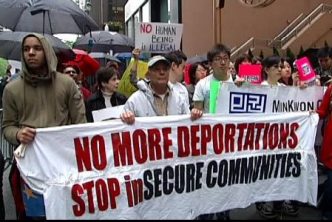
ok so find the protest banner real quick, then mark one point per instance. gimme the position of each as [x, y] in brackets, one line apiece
[267, 99]
[158, 37]
[171, 167]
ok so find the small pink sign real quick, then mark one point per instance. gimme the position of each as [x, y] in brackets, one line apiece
[306, 72]
[251, 73]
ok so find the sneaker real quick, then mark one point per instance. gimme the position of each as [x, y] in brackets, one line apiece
[266, 210]
[288, 209]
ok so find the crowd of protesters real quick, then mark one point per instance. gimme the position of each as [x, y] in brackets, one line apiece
[44, 97]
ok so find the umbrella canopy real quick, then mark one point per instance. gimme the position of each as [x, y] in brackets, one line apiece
[45, 16]
[197, 58]
[85, 62]
[11, 46]
[104, 41]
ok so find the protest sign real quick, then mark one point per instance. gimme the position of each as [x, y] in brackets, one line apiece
[306, 72]
[107, 113]
[158, 37]
[251, 73]
[171, 167]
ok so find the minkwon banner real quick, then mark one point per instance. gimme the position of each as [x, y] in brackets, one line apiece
[266, 99]
[158, 37]
[172, 167]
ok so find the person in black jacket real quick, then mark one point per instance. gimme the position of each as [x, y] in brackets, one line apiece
[106, 95]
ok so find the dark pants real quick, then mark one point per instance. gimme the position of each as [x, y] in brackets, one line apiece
[2, 205]
[327, 211]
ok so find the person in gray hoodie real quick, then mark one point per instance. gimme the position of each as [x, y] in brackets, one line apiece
[155, 97]
[40, 97]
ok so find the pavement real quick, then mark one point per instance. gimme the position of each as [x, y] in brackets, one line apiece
[306, 212]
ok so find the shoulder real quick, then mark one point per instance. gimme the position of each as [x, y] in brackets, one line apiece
[15, 84]
[121, 96]
[93, 97]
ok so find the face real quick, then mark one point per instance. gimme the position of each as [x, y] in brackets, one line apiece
[178, 70]
[231, 69]
[286, 71]
[200, 73]
[325, 63]
[220, 64]
[70, 71]
[159, 74]
[274, 72]
[33, 53]
[112, 85]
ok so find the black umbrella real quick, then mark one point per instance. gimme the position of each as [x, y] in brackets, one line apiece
[45, 16]
[11, 46]
[104, 41]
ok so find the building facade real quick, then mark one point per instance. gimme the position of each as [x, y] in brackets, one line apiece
[110, 12]
[241, 24]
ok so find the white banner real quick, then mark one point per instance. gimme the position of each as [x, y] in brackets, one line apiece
[158, 37]
[267, 99]
[171, 167]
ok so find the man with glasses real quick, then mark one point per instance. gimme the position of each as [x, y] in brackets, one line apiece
[74, 72]
[219, 59]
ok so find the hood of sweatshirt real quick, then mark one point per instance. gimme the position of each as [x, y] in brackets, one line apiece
[50, 58]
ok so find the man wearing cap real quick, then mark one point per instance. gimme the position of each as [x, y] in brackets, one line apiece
[155, 97]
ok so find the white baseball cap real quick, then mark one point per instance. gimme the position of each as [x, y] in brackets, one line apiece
[156, 59]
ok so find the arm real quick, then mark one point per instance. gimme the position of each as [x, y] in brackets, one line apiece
[198, 97]
[133, 71]
[10, 123]
[76, 105]
[324, 108]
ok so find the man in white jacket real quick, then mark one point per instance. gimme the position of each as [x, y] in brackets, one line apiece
[155, 97]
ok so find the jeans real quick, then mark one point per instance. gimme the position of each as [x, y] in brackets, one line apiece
[327, 212]
[2, 205]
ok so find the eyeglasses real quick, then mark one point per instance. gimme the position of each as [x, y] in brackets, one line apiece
[70, 71]
[219, 59]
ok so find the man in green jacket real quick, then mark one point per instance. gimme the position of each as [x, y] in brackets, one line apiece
[40, 98]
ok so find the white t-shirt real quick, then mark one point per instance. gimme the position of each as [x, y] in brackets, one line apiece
[202, 91]
[180, 89]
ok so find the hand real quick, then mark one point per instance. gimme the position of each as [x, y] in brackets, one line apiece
[196, 114]
[128, 117]
[26, 135]
[296, 80]
[303, 85]
[239, 81]
[136, 52]
[312, 112]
